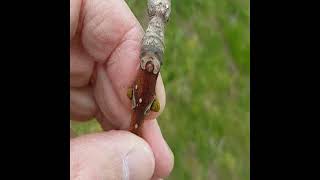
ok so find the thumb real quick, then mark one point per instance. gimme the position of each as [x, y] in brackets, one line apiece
[110, 155]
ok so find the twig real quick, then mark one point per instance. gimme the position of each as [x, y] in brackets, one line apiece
[142, 93]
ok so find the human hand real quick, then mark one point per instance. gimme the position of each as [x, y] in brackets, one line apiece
[104, 57]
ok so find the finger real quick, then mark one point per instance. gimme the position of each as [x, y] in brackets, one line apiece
[82, 104]
[81, 64]
[105, 23]
[110, 155]
[109, 102]
[75, 6]
[163, 155]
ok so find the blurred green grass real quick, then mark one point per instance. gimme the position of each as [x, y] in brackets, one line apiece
[206, 73]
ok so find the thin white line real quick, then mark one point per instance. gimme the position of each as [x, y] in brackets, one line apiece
[125, 169]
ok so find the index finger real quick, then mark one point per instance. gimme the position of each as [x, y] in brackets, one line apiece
[112, 36]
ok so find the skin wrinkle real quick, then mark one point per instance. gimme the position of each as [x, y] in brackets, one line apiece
[105, 123]
[81, 18]
[125, 39]
[121, 122]
[94, 10]
[114, 52]
[96, 25]
[75, 11]
[82, 103]
[104, 44]
[91, 21]
[81, 64]
[105, 112]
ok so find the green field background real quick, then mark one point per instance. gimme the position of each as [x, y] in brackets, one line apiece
[206, 73]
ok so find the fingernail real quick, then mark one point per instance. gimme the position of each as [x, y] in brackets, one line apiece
[139, 163]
